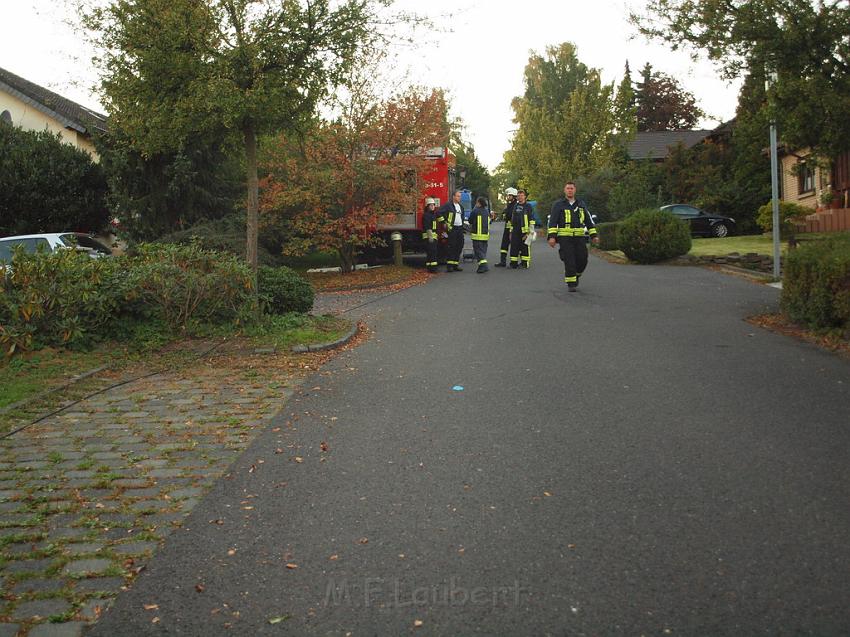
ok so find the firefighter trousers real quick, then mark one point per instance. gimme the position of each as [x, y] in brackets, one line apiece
[479, 248]
[573, 251]
[455, 247]
[506, 244]
[520, 250]
[431, 255]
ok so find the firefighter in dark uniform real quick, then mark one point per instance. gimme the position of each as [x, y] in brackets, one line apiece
[453, 214]
[567, 223]
[430, 233]
[522, 224]
[479, 230]
[507, 213]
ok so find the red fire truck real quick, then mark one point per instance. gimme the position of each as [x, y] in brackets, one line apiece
[439, 183]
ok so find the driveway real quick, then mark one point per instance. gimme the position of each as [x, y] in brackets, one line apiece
[502, 457]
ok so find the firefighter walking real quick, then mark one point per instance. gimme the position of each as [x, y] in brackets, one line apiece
[479, 229]
[507, 215]
[567, 224]
[522, 225]
[453, 214]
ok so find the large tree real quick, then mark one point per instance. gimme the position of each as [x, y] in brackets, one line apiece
[172, 70]
[805, 42]
[330, 189]
[566, 123]
[662, 104]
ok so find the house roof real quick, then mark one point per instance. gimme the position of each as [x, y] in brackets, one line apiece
[656, 144]
[68, 113]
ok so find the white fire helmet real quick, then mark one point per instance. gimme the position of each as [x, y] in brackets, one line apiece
[511, 192]
[430, 200]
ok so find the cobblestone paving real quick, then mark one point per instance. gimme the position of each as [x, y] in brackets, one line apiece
[88, 495]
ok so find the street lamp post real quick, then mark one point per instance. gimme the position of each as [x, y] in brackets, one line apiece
[774, 182]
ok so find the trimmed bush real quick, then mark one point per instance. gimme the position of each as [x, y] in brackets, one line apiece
[816, 284]
[61, 298]
[283, 290]
[788, 213]
[186, 285]
[651, 235]
[607, 233]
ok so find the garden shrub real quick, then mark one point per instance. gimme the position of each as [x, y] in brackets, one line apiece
[186, 285]
[283, 290]
[788, 213]
[227, 235]
[607, 233]
[651, 235]
[62, 298]
[816, 284]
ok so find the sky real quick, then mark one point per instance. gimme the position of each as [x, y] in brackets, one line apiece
[477, 53]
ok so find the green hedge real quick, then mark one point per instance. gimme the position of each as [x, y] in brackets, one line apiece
[788, 212]
[651, 235]
[283, 290]
[68, 299]
[816, 284]
[608, 235]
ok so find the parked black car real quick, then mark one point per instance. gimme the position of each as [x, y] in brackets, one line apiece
[703, 224]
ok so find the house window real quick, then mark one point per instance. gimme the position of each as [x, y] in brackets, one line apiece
[805, 178]
[6, 117]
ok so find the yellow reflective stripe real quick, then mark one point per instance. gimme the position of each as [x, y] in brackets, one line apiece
[570, 279]
[480, 237]
[570, 232]
[592, 231]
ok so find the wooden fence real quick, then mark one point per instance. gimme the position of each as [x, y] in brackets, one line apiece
[833, 220]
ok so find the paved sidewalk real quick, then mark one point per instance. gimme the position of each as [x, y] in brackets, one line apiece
[87, 496]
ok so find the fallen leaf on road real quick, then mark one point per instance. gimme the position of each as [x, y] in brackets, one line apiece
[417, 623]
[218, 521]
[299, 459]
[571, 546]
[231, 552]
[547, 494]
[323, 446]
[276, 429]
[151, 606]
[200, 588]
[363, 540]
[277, 620]
[333, 558]
[278, 450]
[291, 566]
[252, 469]
[155, 620]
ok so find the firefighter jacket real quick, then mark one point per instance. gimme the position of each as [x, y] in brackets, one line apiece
[479, 223]
[430, 221]
[448, 212]
[522, 217]
[570, 219]
[508, 213]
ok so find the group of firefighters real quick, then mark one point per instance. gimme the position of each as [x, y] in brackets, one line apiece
[569, 222]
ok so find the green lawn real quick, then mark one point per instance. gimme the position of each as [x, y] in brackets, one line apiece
[760, 244]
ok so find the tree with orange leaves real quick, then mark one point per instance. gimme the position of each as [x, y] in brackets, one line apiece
[329, 189]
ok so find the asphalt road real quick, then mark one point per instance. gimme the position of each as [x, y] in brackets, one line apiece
[631, 459]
